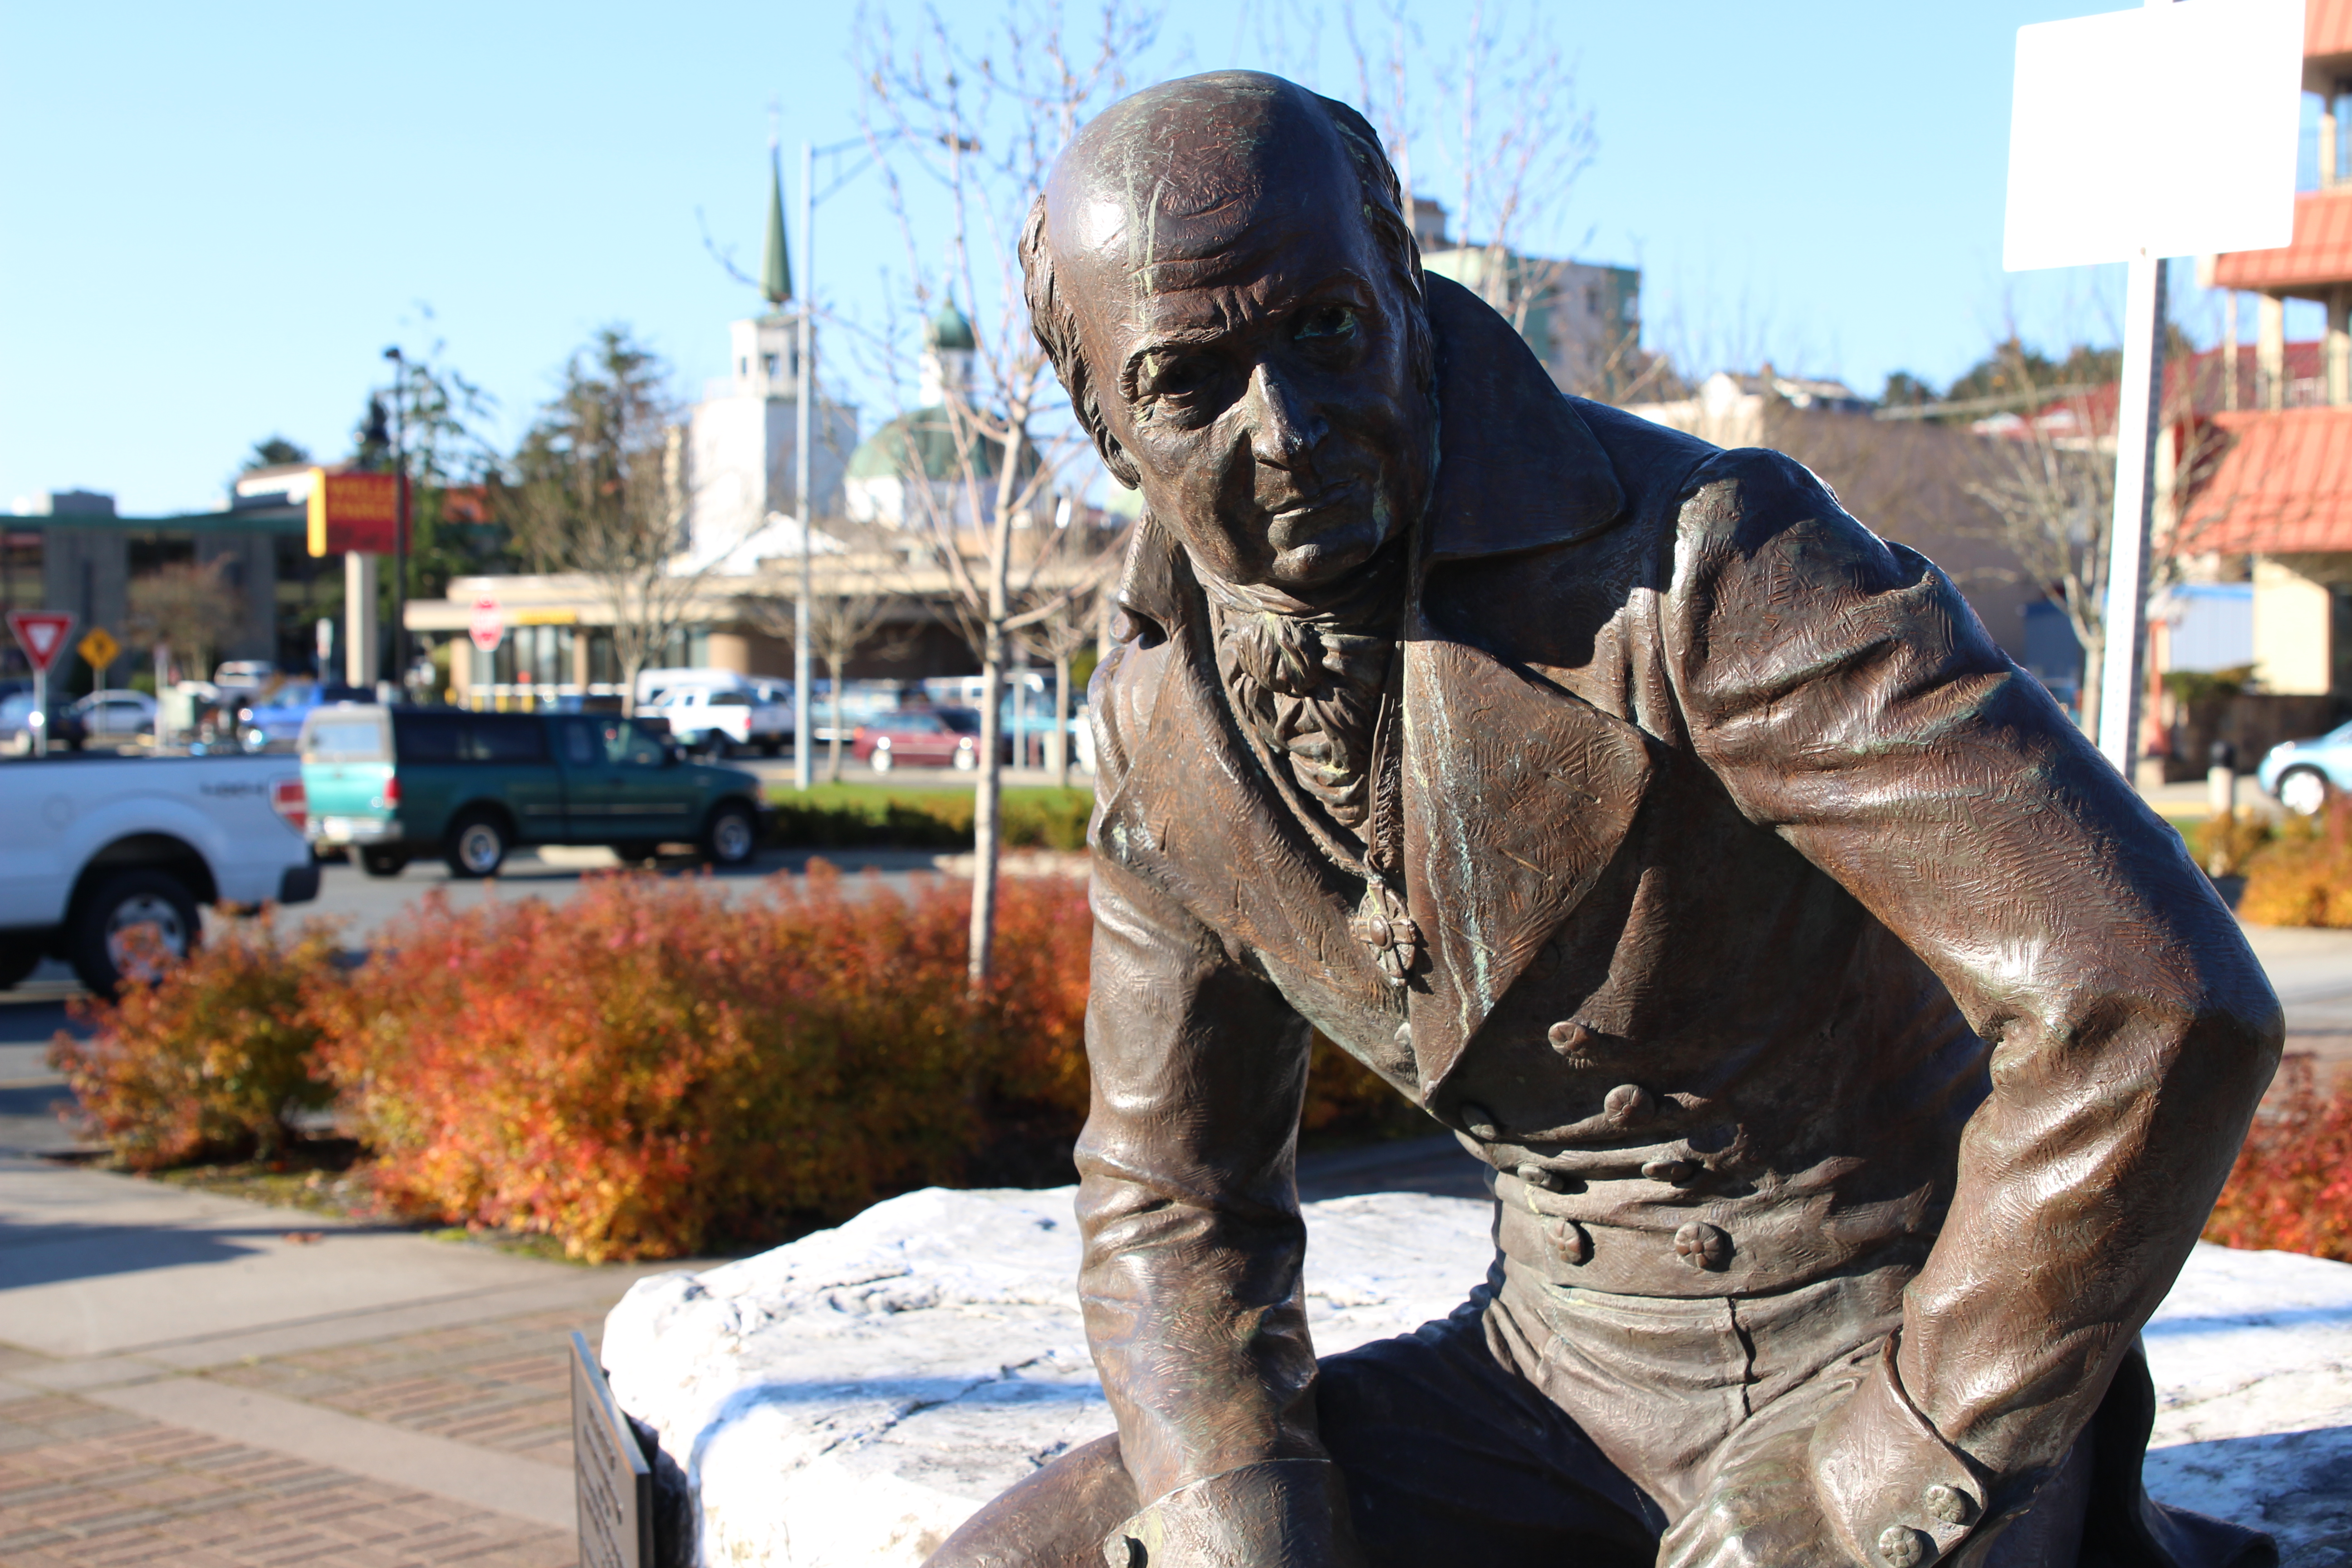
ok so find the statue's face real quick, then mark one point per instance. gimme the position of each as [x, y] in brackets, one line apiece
[1255, 369]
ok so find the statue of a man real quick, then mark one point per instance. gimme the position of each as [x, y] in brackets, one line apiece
[1857, 1056]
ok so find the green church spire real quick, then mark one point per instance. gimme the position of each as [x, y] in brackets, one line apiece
[776, 268]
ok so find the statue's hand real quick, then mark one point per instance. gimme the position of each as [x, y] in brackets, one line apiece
[1285, 1514]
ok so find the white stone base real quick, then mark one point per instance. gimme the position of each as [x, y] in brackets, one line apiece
[850, 1399]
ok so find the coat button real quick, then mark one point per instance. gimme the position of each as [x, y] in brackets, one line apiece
[1568, 1238]
[1900, 1546]
[1702, 1245]
[1949, 1504]
[1674, 1172]
[1569, 1035]
[1479, 1123]
[1627, 1102]
[1542, 1176]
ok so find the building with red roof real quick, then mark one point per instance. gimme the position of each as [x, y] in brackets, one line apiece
[2275, 498]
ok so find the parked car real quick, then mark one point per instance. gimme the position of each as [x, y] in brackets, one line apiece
[919, 737]
[392, 784]
[94, 848]
[105, 718]
[244, 675]
[2304, 774]
[16, 736]
[275, 718]
[717, 720]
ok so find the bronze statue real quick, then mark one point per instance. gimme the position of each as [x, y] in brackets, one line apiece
[1857, 1055]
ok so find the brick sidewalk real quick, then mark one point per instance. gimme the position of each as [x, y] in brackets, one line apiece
[503, 1385]
[85, 1486]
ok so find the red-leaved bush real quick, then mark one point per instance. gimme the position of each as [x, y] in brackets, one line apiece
[651, 1069]
[2291, 1189]
[210, 1058]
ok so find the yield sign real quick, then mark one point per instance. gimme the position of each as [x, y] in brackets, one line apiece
[41, 634]
[489, 627]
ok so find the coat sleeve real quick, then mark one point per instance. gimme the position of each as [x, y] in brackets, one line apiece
[1847, 698]
[1193, 1239]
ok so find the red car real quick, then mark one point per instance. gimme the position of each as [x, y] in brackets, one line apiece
[919, 738]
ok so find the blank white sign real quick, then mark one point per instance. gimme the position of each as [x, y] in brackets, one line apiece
[2167, 131]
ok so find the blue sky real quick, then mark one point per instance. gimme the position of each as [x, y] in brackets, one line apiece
[218, 216]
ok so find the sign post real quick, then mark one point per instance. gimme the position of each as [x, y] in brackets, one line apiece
[488, 628]
[42, 635]
[2134, 136]
[97, 649]
[614, 1485]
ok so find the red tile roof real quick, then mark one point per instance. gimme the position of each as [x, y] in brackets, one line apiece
[2192, 389]
[2284, 486]
[2321, 253]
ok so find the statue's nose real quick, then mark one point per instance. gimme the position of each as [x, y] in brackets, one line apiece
[1285, 427]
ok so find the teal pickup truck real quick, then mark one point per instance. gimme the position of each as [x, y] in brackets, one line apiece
[391, 783]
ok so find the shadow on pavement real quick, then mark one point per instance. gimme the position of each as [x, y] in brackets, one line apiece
[1438, 1165]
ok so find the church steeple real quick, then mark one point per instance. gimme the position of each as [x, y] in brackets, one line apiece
[776, 265]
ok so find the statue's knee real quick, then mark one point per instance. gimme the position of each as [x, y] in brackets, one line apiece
[1057, 1518]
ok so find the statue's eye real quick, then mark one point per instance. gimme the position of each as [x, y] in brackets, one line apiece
[1326, 322]
[1167, 375]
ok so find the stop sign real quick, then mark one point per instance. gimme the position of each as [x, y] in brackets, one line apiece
[490, 626]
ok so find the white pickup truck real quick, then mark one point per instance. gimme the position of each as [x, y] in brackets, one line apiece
[722, 719]
[92, 847]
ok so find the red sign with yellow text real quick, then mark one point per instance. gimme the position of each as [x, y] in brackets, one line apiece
[353, 512]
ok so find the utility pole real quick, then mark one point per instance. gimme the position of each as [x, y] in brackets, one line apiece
[400, 515]
[803, 746]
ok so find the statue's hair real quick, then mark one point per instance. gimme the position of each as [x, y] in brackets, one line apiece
[1057, 325]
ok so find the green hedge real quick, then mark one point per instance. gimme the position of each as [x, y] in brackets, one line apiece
[844, 816]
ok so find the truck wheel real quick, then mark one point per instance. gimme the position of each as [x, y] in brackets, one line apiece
[718, 746]
[772, 747]
[383, 862]
[732, 836]
[106, 950]
[2304, 791]
[17, 959]
[477, 845]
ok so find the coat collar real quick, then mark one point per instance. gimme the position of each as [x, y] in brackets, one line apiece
[1517, 467]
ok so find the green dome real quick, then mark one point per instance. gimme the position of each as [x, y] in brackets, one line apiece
[948, 329]
[925, 438]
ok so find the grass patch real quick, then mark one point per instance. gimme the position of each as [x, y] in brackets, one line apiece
[870, 815]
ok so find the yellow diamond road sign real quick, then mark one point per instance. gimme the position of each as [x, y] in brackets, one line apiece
[97, 648]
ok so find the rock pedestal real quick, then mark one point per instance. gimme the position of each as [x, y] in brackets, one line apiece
[847, 1401]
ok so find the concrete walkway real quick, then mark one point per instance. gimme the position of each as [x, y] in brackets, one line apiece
[191, 1379]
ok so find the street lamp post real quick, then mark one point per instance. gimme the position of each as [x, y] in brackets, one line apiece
[803, 665]
[400, 515]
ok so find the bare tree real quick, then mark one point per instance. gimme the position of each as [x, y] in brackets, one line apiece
[189, 607]
[843, 617]
[1077, 615]
[597, 492]
[979, 121]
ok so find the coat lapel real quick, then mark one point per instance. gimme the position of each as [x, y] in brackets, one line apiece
[1517, 798]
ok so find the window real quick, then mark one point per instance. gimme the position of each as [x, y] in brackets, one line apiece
[731, 700]
[630, 746]
[580, 742]
[505, 737]
[426, 737]
[344, 740]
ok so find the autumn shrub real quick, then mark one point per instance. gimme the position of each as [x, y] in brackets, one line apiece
[2291, 1189]
[2303, 876]
[2226, 844]
[210, 1058]
[651, 1069]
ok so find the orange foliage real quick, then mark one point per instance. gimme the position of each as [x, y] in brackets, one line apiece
[211, 1059]
[2303, 877]
[2292, 1187]
[652, 1069]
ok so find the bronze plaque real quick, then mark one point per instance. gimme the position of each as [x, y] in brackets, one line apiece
[615, 1483]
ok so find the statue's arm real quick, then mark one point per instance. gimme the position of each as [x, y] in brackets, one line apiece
[1190, 1282]
[1849, 699]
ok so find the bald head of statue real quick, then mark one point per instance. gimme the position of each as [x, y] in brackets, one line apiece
[1224, 273]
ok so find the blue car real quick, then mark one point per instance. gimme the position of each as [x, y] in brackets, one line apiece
[2304, 774]
[276, 720]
